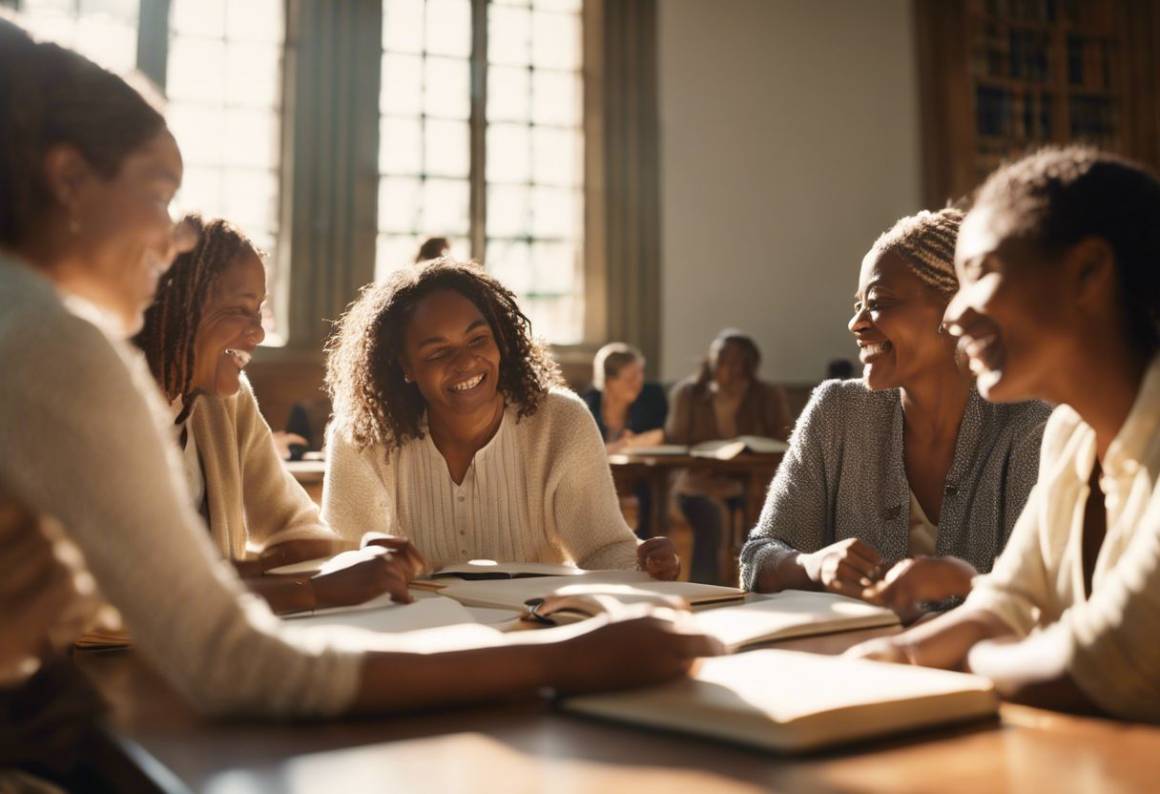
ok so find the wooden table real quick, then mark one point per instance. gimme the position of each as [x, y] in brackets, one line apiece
[309, 474]
[529, 747]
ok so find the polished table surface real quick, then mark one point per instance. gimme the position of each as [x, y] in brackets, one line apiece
[530, 747]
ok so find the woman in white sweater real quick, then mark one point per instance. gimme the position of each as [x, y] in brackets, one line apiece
[199, 334]
[87, 172]
[451, 429]
[1059, 300]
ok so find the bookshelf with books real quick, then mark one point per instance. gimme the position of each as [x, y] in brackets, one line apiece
[1002, 77]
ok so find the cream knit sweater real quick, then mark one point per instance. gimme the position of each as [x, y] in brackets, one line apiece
[254, 502]
[553, 499]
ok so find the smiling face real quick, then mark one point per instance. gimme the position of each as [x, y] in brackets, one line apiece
[1012, 315]
[896, 321]
[123, 226]
[451, 355]
[230, 327]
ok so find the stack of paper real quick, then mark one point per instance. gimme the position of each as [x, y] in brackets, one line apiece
[789, 701]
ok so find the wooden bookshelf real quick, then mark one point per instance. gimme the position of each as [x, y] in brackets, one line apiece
[1002, 77]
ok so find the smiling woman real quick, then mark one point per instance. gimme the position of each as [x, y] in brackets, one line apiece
[452, 429]
[898, 488]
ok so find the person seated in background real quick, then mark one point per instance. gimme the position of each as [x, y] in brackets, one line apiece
[901, 487]
[628, 411]
[432, 248]
[1059, 300]
[199, 334]
[839, 369]
[451, 428]
[88, 171]
[724, 400]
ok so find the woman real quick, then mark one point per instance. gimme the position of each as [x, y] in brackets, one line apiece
[628, 411]
[725, 400]
[200, 332]
[87, 172]
[451, 430]
[1060, 301]
[909, 467]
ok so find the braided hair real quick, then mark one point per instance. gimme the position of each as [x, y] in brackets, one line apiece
[926, 242]
[172, 320]
[1056, 197]
[364, 366]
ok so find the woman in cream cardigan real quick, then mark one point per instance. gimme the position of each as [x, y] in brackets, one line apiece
[1059, 300]
[199, 334]
[451, 429]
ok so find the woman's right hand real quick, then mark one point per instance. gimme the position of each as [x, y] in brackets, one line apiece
[645, 646]
[354, 577]
[846, 567]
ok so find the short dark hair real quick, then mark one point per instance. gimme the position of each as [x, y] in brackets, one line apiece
[1056, 197]
[611, 359]
[171, 321]
[364, 370]
[52, 96]
[432, 248]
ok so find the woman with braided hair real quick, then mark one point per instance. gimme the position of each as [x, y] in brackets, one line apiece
[900, 487]
[452, 429]
[199, 334]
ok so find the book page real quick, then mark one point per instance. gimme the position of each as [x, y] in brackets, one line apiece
[490, 569]
[424, 613]
[790, 613]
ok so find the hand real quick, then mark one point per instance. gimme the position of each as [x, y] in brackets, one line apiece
[46, 597]
[847, 567]
[400, 547]
[880, 649]
[648, 647]
[658, 558]
[357, 576]
[912, 582]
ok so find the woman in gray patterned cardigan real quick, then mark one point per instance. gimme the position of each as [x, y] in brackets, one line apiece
[900, 487]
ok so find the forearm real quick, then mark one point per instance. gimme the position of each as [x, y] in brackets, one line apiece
[945, 641]
[284, 594]
[782, 568]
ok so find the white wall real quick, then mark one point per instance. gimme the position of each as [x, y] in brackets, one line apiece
[789, 141]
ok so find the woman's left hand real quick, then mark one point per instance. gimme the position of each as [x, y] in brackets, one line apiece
[915, 581]
[658, 558]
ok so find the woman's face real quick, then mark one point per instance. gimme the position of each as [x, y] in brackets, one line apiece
[896, 324]
[451, 354]
[727, 360]
[627, 384]
[230, 327]
[124, 229]
[1010, 314]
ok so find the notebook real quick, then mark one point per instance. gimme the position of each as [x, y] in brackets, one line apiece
[788, 701]
[388, 616]
[731, 448]
[625, 586]
[788, 614]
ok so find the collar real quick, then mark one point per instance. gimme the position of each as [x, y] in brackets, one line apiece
[1127, 449]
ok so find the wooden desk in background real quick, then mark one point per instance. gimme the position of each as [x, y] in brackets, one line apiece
[529, 747]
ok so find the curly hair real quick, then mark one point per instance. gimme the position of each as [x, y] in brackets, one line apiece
[926, 242]
[1056, 197]
[171, 321]
[364, 366]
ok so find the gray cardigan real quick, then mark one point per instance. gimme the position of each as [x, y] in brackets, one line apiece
[844, 477]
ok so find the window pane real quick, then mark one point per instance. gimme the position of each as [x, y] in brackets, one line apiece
[555, 41]
[449, 28]
[508, 91]
[198, 18]
[508, 211]
[255, 20]
[509, 261]
[445, 207]
[196, 70]
[250, 198]
[201, 191]
[402, 90]
[508, 153]
[251, 139]
[555, 213]
[448, 88]
[509, 35]
[403, 26]
[448, 148]
[572, 6]
[556, 156]
[556, 268]
[556, 318]
[253, 74]
[394, 252]
[200, 131]
[556, 98]
[400, 146]
[398, 204]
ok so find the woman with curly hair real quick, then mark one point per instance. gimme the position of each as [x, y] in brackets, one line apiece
[452, 429]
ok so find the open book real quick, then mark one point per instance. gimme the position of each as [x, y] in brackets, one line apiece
[489, 569]
[788, 614]
[625, 586]
[790, 701]
[731, 448]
